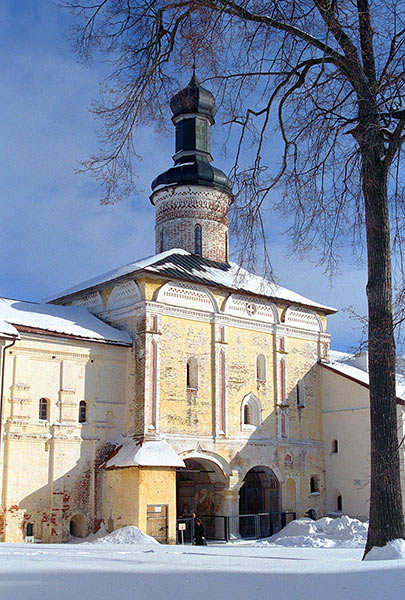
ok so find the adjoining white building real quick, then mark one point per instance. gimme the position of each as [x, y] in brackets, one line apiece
[346, 433]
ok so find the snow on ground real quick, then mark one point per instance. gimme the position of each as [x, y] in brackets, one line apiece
[106, 570]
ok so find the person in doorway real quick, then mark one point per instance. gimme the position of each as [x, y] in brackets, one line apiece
[199, 533]
[311, 514]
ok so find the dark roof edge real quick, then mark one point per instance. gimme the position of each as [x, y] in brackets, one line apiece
[80, 338]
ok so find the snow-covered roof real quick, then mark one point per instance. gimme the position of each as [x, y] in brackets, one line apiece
[180, 264]
[140, 453]
[343, 364]
[68, 320]
[7, 330]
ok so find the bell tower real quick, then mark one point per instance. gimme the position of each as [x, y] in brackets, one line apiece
[192, 198]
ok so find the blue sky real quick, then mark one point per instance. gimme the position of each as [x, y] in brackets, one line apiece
[54, 232]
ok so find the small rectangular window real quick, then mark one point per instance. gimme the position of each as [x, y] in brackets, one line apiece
[314, 484]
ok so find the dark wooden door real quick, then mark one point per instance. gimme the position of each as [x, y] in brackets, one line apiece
[156, 522]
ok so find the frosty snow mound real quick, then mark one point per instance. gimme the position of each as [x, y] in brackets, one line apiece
[394, 550]
[126, 535]
[324, 533]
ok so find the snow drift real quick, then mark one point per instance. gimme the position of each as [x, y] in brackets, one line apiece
[126, 535]
[326, 532]
[394, 550]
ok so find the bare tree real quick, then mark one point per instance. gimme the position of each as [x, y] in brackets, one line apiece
[328, 75]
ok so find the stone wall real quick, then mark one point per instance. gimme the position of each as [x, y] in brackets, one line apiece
[179, 209]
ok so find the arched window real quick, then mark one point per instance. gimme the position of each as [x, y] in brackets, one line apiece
[261, 369]
[162, 239]
[221, 392]
[198, 240]
[251, 412]
[247, 415]
[339, 503]
[152, 384]
[82, 411]
[29, 531]
[192, 374]
[334, 447]
[43, 409]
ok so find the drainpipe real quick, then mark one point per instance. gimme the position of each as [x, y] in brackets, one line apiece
[3, 363]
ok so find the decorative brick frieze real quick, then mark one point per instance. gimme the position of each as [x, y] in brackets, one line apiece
[179, 209]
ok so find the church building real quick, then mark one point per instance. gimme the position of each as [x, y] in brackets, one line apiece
[178, 383]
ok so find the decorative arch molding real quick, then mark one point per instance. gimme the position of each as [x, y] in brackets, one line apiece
[255, 412]
[256, 464]
[250, 307]
[302, 318]
[124, 295]
[207, 455]
[93, 302]
[187, 295]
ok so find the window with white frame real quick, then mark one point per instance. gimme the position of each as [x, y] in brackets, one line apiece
[43, 409]
[82, 411]
[251, 412]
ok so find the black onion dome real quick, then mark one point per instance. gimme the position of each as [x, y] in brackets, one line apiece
[193, 114]
[193, 99]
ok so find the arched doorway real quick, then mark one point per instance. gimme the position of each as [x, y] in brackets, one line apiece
[260, 492]
[258, 497]
[199, 488]
[77, 526]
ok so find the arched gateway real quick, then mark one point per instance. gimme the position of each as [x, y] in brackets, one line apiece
[199, 487]
[260, 492]
[259, 503]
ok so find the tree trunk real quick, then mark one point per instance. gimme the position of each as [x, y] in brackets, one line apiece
[386, 512]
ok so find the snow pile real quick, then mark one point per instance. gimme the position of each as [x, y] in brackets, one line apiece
[126, 535]
[394, 550]
[324, 533]
[130, 452]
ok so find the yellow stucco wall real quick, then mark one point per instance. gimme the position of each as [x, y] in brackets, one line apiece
[129, 491]
[62, 454]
